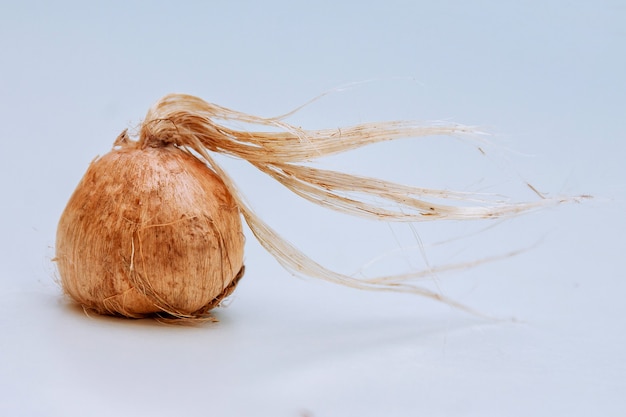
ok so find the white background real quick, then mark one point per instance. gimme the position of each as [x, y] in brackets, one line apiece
[545, 78]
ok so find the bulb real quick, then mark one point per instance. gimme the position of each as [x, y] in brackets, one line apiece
[150, 230]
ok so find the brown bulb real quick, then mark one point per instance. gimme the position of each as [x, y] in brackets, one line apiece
[154, 227]
[150, 231]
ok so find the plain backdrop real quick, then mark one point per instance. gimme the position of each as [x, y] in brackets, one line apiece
[545, 79]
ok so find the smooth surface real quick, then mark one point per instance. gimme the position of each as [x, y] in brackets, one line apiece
[547, 79]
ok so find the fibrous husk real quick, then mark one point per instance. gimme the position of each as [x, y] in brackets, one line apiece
[154, 226]
[147, 231]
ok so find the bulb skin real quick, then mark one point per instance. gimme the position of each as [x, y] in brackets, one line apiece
[147, 231]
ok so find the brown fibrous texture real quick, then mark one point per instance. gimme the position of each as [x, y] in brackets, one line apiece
[148, 231]
[154, 226]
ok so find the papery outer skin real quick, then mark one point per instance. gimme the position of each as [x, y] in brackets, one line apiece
[146, 231]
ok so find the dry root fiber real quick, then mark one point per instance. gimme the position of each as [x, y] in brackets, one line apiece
[154, 226]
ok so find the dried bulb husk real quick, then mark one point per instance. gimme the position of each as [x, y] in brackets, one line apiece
[154, 225]
[150, 230]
